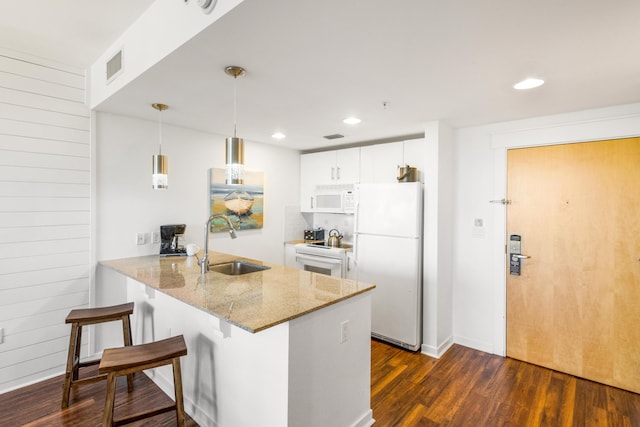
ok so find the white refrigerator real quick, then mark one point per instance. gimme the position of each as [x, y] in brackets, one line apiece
[388, 253]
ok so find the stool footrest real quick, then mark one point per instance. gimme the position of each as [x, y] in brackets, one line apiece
[142, 415]
[88, 363]
[88, 380]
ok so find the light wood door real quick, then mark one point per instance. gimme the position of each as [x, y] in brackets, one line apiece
[575, 307]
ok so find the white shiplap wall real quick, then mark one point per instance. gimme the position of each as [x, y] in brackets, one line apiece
[44, 213]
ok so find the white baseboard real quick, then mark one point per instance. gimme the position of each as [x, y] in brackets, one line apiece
[438, 351]
[366, 420]
[475, 344]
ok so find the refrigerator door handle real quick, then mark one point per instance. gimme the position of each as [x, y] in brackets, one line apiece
[355, 236]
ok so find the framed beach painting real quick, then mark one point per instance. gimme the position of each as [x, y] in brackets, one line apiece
[242, 203]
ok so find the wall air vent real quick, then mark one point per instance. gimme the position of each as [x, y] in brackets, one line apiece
[334, 136]
[114, 66]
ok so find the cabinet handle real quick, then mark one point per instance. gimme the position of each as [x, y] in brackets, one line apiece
[338, 173]
[311, 202]
[332, 177]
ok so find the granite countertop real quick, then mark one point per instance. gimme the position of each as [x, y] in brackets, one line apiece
[254, 301]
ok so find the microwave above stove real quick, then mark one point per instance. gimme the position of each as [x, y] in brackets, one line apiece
[334, 199]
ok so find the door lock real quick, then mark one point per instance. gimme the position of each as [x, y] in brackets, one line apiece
[515, 255]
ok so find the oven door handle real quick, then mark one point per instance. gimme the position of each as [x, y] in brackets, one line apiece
[318, 260]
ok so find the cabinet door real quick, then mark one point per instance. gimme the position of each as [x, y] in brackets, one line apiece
[315, 169]
[414, 155]
[323, 169]
[379, 163]
[348, 166]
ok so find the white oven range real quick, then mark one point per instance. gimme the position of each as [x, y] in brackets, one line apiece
[320, 258]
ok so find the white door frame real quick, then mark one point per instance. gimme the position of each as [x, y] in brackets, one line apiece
[591, 125]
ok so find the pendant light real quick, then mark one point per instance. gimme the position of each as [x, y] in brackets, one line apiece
[159, 162]
[234, 164]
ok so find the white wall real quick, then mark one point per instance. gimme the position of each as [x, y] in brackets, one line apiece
[437, 297]
[44, 213]
[127, 205]
[480, 176]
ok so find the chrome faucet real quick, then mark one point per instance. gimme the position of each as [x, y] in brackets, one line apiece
[204, 262]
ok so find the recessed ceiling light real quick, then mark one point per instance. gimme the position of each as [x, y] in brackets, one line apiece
[352, 120]
[278, 135]
[528, 84]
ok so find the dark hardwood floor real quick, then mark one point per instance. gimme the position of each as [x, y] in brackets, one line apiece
[463, 388]
[466, 387]
[39, 404]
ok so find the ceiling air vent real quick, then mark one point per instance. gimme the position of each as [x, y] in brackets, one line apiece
[114, 66]
[334, 136]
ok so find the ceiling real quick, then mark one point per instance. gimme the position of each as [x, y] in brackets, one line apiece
[395, 65]
[73, 32]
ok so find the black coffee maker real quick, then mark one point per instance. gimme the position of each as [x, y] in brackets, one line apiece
[172, 240]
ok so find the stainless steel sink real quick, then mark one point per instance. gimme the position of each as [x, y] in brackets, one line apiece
[237, 267]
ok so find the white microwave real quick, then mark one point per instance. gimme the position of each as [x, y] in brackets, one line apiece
[334, 199]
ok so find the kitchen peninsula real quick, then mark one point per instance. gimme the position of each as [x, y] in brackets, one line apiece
[277, 347]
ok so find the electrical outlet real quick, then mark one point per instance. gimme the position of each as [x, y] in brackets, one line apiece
[155, 237]
[139, 238]
[344, 331]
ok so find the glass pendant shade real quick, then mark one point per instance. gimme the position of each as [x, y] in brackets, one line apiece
[234, 164]
[160, 162]
[160, 175]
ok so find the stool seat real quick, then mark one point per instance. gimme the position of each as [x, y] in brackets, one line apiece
[90, 316]
[127, 360]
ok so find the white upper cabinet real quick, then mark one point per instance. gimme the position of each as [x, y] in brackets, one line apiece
[367, 164]
[327, 168]
[348, 166]
[379, 163]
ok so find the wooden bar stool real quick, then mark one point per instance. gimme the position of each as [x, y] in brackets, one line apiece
[126, 360]
[90, 316]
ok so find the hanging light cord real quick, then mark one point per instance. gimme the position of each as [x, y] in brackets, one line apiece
[235, 105]
[160, 130]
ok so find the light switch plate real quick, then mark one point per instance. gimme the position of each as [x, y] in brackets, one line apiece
[344, 331]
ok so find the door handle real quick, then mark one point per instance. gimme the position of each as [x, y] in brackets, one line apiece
[520, 256]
